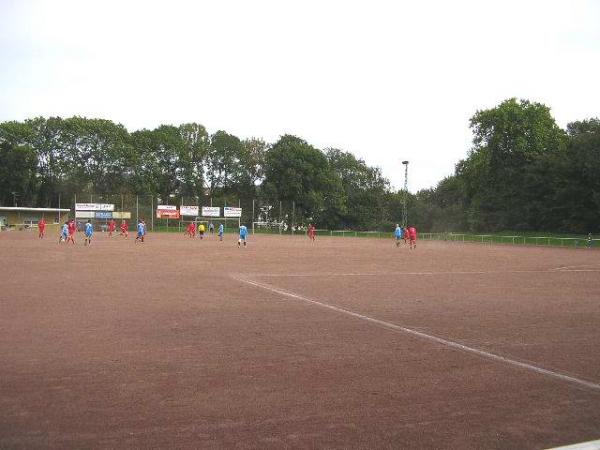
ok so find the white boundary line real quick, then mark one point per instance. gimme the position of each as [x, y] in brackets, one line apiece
[452, 344]
[591, 445]
[371, 274]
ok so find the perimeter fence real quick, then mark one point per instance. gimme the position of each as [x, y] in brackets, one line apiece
[272, 217]
[284, 217]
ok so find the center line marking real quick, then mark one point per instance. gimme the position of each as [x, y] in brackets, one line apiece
[429, 337]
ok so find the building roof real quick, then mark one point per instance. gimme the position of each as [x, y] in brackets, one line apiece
[20, 208]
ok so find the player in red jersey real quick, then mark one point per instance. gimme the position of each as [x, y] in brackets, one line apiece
[112, 226]
[41, 228]
[72, 229]
[312, 232]
[191, 230]
[412, 234]
[124, 229]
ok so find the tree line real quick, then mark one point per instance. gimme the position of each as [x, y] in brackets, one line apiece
[523, 172]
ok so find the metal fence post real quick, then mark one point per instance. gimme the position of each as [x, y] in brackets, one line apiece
[152, 212]
[293, 215]
[137, 208]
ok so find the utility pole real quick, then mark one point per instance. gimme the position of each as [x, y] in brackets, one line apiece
[405, 210]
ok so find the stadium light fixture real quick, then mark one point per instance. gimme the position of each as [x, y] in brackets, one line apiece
[404, 209]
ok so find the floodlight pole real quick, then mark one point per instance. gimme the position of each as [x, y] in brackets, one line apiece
[404, 209]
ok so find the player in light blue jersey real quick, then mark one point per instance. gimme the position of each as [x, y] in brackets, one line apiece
[89, 231]
[141, 231]
[243, 235]
[64, 233]
[221, 231]
[398, 232]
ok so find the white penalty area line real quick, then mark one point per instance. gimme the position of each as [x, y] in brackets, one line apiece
[425, 336]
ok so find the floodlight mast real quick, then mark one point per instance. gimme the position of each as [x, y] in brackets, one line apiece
[404, 209]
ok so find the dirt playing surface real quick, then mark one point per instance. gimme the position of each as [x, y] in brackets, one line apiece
[198, 344]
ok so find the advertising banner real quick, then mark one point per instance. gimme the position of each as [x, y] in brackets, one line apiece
[94, 207]
[232, 212]
[188, 211]
[84, 214]
[122, 215]
[211, 211]
[104, 215]
[167, 212]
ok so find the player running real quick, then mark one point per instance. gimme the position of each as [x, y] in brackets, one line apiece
[112, 226]
[201, 230]
[243, 235]
[72, 228]
[41, 228]
[89, 231]
[398, 232]
[124, 229]
[312, 232]
[64, 233]
[141, 231]
[412, 234]
[191, 230]
[221, 231]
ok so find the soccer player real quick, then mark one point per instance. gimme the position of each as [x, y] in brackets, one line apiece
[412, 234]
[398, 232]
[312, 232]
[201, 230]
[243, 235]
[221, 231]
[211, 228]
[191, 230]
[64, 233]
[112, 226]
[124, 229]
[72, 228]
[589, 240]
[141, 231]
[89, 231]
[41, 228]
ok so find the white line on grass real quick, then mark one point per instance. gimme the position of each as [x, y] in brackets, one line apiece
[429, 337]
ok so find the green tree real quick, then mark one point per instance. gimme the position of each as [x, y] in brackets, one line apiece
[18, 174]
[158, 162]
[579, 193]
[504, 171]
[363, 187]
[224, 164]
[196, 147]
[297, 172]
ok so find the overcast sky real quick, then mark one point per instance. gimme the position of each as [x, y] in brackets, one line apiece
[385, 80]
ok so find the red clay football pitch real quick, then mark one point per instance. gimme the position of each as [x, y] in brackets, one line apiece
[344, 343]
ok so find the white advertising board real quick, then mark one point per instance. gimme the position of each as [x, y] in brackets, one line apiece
[211, 211]
[188, 211]
[85, 214]
[228, 211]
[167, 212]
[94, 207]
